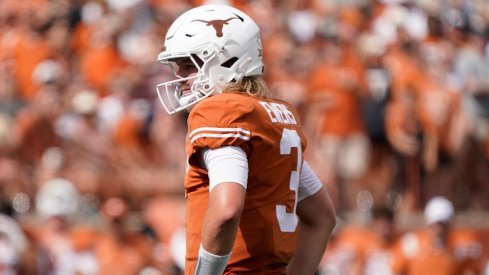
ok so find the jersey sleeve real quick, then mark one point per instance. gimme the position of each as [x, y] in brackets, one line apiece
[219, 121]
[309, 183]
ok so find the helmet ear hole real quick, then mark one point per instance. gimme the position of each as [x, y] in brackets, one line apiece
[230, 62]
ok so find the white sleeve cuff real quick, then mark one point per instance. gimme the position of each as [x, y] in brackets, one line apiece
[208, 263]
[309, 183]
[226, 164]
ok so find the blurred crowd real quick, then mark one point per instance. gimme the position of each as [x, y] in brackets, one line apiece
[376, 246]
[393, 94]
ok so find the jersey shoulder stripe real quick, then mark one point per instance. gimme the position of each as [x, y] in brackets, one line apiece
[222, 120]
[217, 132]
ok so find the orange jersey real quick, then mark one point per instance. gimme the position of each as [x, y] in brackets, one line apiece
[269, 133]
[468, 249]
[419, 252]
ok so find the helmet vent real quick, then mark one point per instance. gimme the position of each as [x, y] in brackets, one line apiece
[198, 60]
[230, 62]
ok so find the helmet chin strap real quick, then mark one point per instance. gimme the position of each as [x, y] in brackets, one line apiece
[186, 99]
[183, 100]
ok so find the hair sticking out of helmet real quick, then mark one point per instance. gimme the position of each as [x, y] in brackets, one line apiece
[223, 45]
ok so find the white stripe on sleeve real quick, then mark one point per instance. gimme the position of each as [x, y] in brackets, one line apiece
[217, 132]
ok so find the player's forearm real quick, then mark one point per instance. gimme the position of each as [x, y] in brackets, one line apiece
[316, 221]
[219, 228]
[310, 248]
[222, 218]
[217, 242]
[218, 234]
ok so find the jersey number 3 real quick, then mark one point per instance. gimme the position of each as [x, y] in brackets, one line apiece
[288, 220]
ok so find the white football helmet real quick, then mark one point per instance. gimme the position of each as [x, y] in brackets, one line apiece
[224, 45]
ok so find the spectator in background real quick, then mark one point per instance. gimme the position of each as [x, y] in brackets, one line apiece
[365, 249]
[446, 121]
[118, 247]
[471, 66]
[438, 248]
[382, 177]
[335, 89]
[13, 246]
[35, 125]
[341, 256]
[56, 204]
[410, 126]
[44, 31]
[95, 43]
[165, 215]
[377, 256]
[427, 250]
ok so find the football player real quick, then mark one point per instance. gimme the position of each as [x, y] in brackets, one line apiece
[253, 204]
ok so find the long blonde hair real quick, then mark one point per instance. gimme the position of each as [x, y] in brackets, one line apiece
[252, 85]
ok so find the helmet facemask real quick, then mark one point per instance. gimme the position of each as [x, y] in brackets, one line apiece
[184, 91]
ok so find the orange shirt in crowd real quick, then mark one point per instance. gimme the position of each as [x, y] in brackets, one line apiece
[99, 65]
[357, 250]
[420, 252]
[405, 75]
[341, 116]
[401, 117]
[125, 254]
[468, 249]
[36, 133]
[342, 254]
[29, 52]
[80, 41]
[127, 131]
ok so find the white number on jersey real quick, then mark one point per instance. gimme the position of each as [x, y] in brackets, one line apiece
[288, 220]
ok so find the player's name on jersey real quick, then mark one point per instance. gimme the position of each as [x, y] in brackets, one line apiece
[278, 113]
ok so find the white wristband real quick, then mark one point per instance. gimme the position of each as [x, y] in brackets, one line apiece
[210, 264]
